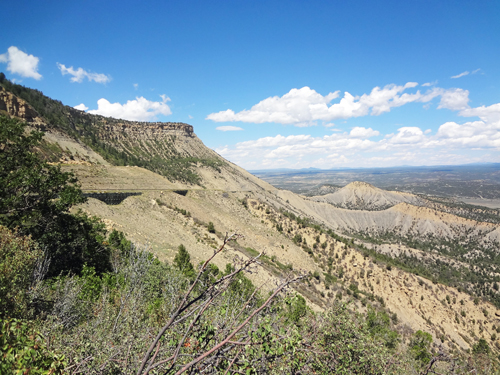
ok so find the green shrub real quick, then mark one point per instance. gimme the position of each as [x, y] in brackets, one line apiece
[420, 343]
[210, 227]
[183, 263]
[481, 347]
[18, 256]
[297, 308]
[24, 352]
[346, 345]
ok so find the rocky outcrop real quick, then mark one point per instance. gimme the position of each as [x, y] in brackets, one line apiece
[154, 130]
[18, 107]
[106, 126]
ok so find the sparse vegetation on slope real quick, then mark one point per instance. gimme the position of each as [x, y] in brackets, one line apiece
[158, 154]
[365, 314]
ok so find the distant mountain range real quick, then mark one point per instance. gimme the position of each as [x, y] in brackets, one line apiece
[405, 167]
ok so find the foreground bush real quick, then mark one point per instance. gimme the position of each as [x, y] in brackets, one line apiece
[18, 257]
[24, 351]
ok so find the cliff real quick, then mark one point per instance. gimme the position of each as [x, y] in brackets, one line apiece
[17, 107]
[169, 148]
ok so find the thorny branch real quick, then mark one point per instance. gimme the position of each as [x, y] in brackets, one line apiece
[197, 306]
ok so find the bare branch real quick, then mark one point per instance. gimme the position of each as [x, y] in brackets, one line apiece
[182, 307]
[237, 329]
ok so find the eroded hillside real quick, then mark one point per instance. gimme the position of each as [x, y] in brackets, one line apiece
[363, 196]
[371, 247]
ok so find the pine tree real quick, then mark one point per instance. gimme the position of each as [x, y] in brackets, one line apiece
[183, 262]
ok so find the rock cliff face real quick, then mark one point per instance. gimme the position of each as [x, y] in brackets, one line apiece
[150, 129]
[18, 107]
[165, 139]
[107, 127]
[169, 148]
[140, 139]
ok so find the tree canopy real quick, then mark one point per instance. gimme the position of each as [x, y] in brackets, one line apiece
[36, 198]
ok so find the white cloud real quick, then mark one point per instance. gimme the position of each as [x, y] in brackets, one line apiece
[487, 114]
[139, 109]
[296, 107]
[81, 107]
[477, 134]
[19, 62]
[454, 99]
[461, 74]
[476, 71]
[408, 145]
[477, 139]
[302, 107]
[484, 133]
[79, 74]
[408, 135]
[228, 128]
[360, 132]
[427, 84]
[136, 86]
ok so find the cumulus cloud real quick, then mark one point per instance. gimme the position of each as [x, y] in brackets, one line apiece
[477, 134]
[139, 109]
[19, 62]
[408, 145]
[360, 132]
[488, 114]
[81, 107]
[427, 84]
[228, 128]
[408, 135]
[80, 74]
[302, 107]
[454, 99]
[297, 106]
[477, 139]
[483, 133]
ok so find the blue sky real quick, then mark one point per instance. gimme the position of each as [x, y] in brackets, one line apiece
[274, 84]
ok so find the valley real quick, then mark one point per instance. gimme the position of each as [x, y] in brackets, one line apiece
[417, 252]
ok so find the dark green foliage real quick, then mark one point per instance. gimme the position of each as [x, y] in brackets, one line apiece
[329, 280]
[244, 202]
[18, 256]
[297, 308]
[419, 346]
[347, 347]
[297, 239]
[36, 197]
[117, 240]
[30, 187]
[379, 324]
[481, 347]
[210, 227]
[242, 286]
[183, 263]
[24, 351]
[76, 240]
